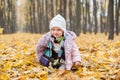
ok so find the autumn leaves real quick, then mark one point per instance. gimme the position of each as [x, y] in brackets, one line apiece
[100, 58]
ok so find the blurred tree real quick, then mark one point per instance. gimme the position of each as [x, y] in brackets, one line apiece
[95, 16]
[70, 16]
[111, 19]
[8, 16]
[117, 17]
[2, 11]
[77, 26]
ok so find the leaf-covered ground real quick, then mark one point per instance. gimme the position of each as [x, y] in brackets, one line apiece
[100, 59]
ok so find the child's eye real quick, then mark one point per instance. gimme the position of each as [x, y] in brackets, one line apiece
[56, 29]
[59, 30]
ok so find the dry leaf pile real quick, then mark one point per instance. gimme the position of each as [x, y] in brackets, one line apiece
[100, 59]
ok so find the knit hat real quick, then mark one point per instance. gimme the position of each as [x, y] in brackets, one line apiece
[58, 21]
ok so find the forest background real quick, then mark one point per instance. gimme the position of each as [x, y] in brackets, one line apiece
[82, 16]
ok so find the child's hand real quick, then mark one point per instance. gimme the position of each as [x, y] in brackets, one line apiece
[78, 63]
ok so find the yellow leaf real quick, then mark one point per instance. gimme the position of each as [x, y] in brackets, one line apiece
[112, 59]
[8, 66]
[4, 76]
[43, 75]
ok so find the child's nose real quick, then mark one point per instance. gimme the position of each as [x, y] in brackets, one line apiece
[55, 31]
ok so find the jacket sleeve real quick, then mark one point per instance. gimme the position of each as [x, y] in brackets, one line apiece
[75, 53]
[41, 45]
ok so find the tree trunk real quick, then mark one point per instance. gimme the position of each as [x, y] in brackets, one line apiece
[70, 15]
[117, 18]
[95, 16]
[34, 18]
[77, 28]
[60, 10]
[111, 19]
[64, 8]
[1, 14]
[31, 18]
[85, 17]
[101, 23]
[52, 8]
[38, 14]
[89, 20]
[57, 7]
[42, 17]
[52, 14]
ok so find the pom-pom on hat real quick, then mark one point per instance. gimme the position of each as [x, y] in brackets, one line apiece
[58, 21]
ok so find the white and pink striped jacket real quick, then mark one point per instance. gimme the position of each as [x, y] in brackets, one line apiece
[72, 53]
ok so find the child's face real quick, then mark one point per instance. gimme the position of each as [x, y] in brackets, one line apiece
[56, 32]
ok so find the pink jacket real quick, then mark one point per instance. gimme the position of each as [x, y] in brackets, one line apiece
[72, 53]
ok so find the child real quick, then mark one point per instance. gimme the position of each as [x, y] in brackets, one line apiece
[57, 47]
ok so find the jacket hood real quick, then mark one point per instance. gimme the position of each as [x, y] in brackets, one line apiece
[71, 34]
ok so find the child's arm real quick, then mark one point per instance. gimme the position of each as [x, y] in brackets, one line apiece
[75, 53]
[40, 48]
